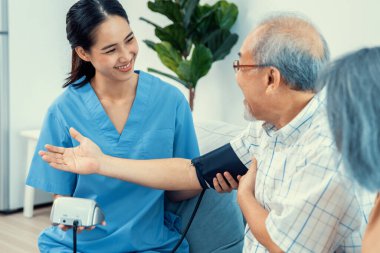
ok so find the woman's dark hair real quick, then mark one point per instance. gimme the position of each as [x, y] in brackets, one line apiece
[81, 22]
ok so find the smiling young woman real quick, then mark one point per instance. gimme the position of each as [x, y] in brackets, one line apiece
[129, 114]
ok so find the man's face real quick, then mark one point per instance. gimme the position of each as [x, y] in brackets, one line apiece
[252, 81]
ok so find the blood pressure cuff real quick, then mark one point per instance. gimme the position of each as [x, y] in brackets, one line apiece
[218, 161]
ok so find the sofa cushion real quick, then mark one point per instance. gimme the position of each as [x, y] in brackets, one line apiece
[218, 225]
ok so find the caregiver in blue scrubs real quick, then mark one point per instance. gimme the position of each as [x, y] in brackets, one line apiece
[130, 114]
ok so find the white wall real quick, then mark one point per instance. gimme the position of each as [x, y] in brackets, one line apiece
[40, 57]
[38, 63]
[346, 24]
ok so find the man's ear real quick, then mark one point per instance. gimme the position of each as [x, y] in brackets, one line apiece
[82, 54]
[273, 79]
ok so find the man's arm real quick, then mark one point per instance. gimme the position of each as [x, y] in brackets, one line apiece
[256, 216]
[253, 212]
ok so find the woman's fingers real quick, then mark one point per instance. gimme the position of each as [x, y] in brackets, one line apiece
[54, 149]
[51, 157]
[76, 135]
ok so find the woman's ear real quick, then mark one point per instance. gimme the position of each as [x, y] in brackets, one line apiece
[82, 54]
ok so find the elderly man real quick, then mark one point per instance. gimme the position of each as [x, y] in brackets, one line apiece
[293, 197]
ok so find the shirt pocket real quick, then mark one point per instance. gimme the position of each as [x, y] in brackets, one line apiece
[158, 144]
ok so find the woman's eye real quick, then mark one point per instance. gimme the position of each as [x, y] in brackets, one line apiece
[130, 39]
[110, 51]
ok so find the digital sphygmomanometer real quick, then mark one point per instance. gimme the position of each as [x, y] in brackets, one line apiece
[85, 212]
[76, 212]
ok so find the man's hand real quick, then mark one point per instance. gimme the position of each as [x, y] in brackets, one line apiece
[245, 184]
[223, 186]
[248, 181]
[83, 159]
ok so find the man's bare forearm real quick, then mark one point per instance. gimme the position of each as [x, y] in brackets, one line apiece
[255, 216]
[166, 174]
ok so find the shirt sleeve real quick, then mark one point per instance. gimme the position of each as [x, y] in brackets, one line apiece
[185, 140]
[41, 175]
[354, 243]
[244, 144]
[316, 210]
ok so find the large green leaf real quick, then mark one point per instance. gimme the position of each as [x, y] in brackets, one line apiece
[184, 73]
[226, 14]
[150, 22]
[167, 75]
[175, 35]
[188, 10]
[150, 44]
[220, 43]
[202, 23]
[168, 55]
[195, 68]
[168, 8]
[181, 2]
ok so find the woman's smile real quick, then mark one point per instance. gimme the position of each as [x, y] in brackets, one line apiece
[124, 68]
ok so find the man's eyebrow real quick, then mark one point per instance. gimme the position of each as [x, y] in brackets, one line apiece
[106, 47]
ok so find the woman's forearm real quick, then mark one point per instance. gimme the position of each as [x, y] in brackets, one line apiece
[166, 174]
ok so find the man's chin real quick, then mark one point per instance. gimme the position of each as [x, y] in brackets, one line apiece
[248, 116]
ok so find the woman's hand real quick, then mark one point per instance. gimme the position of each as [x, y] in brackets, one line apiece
[83, 159]
[80, 228]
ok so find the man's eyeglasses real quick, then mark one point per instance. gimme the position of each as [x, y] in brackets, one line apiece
[237, 66]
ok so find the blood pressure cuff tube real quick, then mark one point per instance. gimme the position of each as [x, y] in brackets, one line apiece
[217, 161]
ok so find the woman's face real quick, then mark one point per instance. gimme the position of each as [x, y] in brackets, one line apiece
[114, 51]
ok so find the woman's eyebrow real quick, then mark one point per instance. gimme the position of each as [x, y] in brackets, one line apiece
[106, 47]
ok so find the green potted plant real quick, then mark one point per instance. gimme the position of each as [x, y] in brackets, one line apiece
[197, 36]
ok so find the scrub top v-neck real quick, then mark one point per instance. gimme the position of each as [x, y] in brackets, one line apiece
[159, 126]
[136, 115]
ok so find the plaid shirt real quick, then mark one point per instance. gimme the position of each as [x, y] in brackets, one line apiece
[312, 205]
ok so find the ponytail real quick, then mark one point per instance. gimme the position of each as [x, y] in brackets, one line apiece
[79, 69]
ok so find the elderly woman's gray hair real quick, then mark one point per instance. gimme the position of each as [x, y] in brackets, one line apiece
[294, 46]
[353, 93]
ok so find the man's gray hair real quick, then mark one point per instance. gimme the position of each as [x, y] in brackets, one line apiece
[294, 46]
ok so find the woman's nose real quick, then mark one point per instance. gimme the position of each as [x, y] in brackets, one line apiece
[125, 54]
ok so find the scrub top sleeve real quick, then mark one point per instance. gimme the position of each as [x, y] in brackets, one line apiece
[41, 175]
[185, 140]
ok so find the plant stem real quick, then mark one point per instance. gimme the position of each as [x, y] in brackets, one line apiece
[191, 97]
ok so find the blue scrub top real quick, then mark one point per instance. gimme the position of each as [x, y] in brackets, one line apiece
[160, 125]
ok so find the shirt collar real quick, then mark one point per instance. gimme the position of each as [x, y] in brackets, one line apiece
[301, 122]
